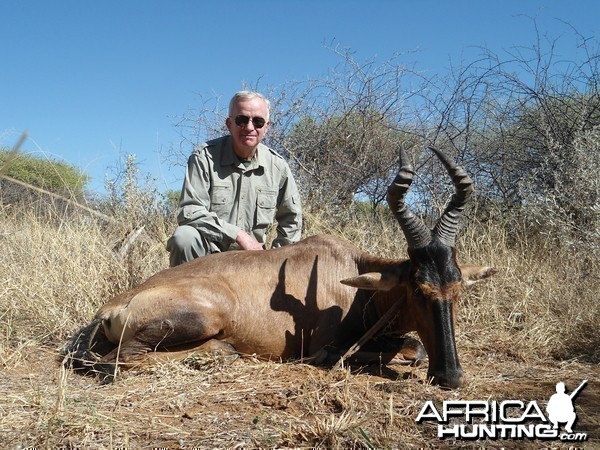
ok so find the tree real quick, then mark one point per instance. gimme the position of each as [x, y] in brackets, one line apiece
[525, 125]
[344, 157]
[343, 135]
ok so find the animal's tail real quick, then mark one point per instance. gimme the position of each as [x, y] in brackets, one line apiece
[82, 353]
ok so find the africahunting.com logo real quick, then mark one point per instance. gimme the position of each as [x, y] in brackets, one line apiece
[508, 419]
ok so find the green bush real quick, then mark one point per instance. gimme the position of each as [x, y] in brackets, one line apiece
[45, 173]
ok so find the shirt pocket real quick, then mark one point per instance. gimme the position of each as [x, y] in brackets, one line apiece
[221, 198]
[266, 205]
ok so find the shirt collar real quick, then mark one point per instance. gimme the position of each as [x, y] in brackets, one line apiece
[229, 158]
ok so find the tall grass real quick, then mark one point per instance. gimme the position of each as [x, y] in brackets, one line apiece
[57, 272]
[542, 303]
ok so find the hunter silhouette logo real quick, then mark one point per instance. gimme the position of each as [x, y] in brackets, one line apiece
[507, 419]
[560, 407]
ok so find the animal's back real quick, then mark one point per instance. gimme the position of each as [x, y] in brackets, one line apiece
[281, 303]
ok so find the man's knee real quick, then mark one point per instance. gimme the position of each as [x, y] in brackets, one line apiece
[185, 244]
[184, 237]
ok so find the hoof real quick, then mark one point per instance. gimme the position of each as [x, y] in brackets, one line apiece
[318, 358]
[411, 354]
[106, 373]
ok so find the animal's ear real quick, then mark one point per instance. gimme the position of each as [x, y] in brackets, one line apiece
[472, 274]
[372, 281]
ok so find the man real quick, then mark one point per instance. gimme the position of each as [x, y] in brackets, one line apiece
[560, 407]
[234, 189]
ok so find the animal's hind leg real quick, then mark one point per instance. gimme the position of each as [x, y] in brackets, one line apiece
[129, 353]
[124, 356]
[134, 353]
[212, 346]
[158, 343]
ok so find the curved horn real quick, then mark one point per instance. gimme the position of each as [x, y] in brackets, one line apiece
[416, 233]
[447, 225]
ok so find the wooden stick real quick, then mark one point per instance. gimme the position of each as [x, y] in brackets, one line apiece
[383, 320]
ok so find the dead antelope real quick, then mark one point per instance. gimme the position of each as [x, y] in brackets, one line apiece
[312, 300]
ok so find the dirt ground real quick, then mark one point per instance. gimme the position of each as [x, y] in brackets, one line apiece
[208, 402]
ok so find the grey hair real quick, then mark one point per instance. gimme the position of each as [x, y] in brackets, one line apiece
[248, 95]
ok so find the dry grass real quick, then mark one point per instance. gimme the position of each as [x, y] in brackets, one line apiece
[534, 324]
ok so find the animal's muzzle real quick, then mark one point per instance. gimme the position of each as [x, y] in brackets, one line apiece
[444, 366]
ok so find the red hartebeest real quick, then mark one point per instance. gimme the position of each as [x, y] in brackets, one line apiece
[310, 300]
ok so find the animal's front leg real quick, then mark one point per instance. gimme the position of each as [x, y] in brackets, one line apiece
[403, 351]
[412, 353]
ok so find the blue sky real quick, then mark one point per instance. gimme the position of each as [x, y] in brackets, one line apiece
[94, 81]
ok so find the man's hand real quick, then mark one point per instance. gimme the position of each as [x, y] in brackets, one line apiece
[247, 242]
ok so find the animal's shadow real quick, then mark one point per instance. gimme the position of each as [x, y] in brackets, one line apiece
[312, 326]
[318, 329]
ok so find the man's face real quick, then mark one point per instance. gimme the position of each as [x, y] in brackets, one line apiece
[247, 137]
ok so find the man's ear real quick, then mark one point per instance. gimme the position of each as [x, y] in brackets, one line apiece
[472, 273]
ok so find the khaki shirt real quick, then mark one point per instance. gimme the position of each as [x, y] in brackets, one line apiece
[221, 196]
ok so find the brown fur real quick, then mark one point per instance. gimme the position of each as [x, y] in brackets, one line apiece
[298, 301]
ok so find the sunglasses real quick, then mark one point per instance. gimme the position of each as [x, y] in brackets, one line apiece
[242, 121]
